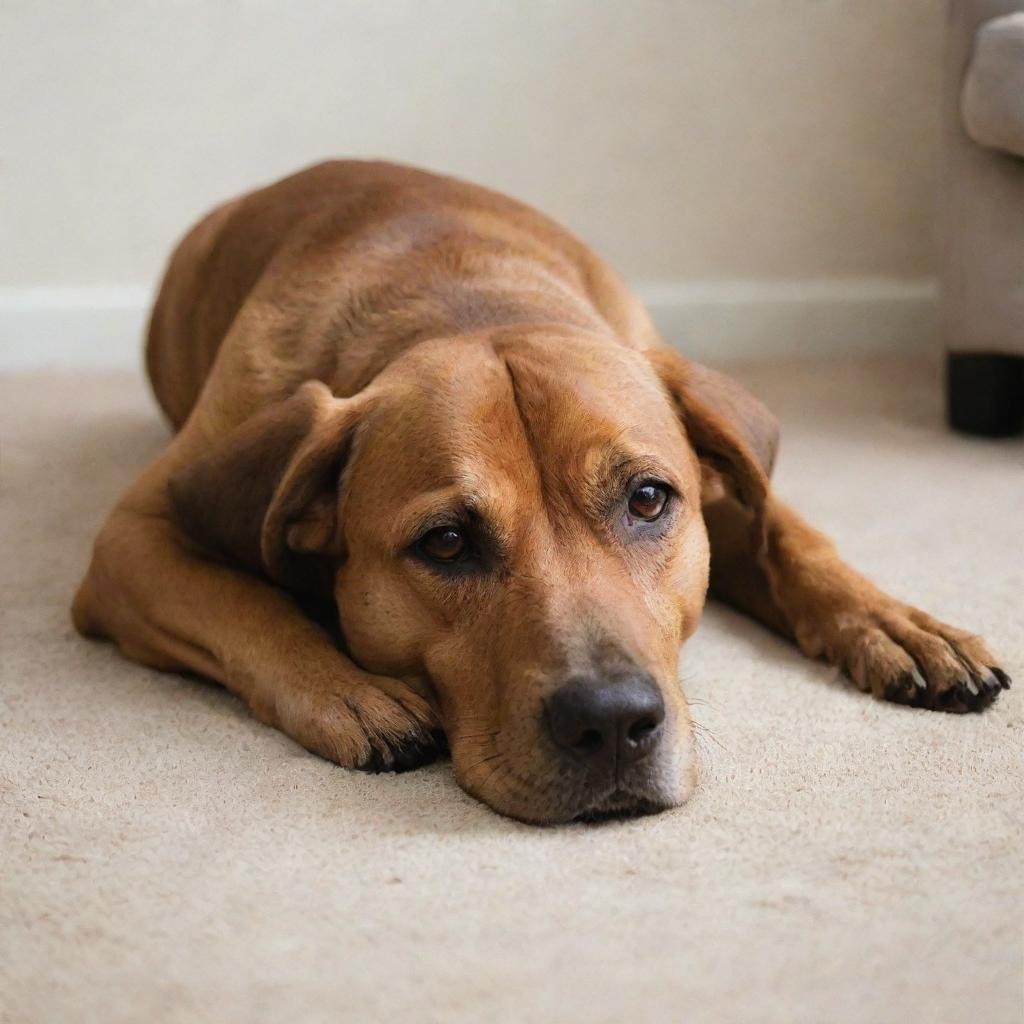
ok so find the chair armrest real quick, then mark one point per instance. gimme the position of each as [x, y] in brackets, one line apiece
[992, 98]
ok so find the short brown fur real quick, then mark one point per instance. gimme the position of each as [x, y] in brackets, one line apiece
[362, 350]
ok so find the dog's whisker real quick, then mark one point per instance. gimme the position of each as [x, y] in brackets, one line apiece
[493, 770]
[695, 702]
[482, 761]
[480, 728]
[472, 716]
[702, 732]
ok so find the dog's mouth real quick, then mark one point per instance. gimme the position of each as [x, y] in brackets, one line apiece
[561, 790]
[619, 804]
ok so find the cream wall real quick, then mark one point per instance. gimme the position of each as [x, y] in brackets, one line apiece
[691, 141]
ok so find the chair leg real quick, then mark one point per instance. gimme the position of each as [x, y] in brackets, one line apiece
[985, 393]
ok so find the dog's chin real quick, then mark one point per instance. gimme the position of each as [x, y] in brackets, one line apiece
[607, 804]
[660, 787]
[620, 804]
[559, 797]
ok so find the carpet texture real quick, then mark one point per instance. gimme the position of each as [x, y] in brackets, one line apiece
[163, 857]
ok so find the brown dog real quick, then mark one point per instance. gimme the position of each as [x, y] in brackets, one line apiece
[433, 411]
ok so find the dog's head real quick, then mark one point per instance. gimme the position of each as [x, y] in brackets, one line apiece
[512, 523]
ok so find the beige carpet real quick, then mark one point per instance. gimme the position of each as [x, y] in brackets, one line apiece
[165, 858]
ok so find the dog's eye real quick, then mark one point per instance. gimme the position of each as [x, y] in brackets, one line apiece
[445, 544]
[648, 502]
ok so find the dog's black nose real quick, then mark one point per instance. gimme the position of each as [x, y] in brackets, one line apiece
[603, 721]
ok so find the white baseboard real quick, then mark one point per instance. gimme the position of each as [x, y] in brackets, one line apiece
[76, 328]
[103, 327]
[720, 320]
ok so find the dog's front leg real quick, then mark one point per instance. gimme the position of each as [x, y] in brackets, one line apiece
[790, 577]
[167, 607]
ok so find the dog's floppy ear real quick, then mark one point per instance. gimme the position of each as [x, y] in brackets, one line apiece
[266, 495]
[728, 428]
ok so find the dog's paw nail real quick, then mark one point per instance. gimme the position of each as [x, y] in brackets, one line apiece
[417, 750]
[990, 683]
[373, 765]
[413, 755]
[1004, 679]
[909, 688]
[972, 686]
[953, 699]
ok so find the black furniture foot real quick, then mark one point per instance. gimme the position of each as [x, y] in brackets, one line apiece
[985, 393]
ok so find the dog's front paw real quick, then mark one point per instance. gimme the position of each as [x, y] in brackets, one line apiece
[373, 727]
[901, 654]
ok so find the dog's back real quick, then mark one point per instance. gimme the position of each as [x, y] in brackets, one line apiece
[365, 248]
